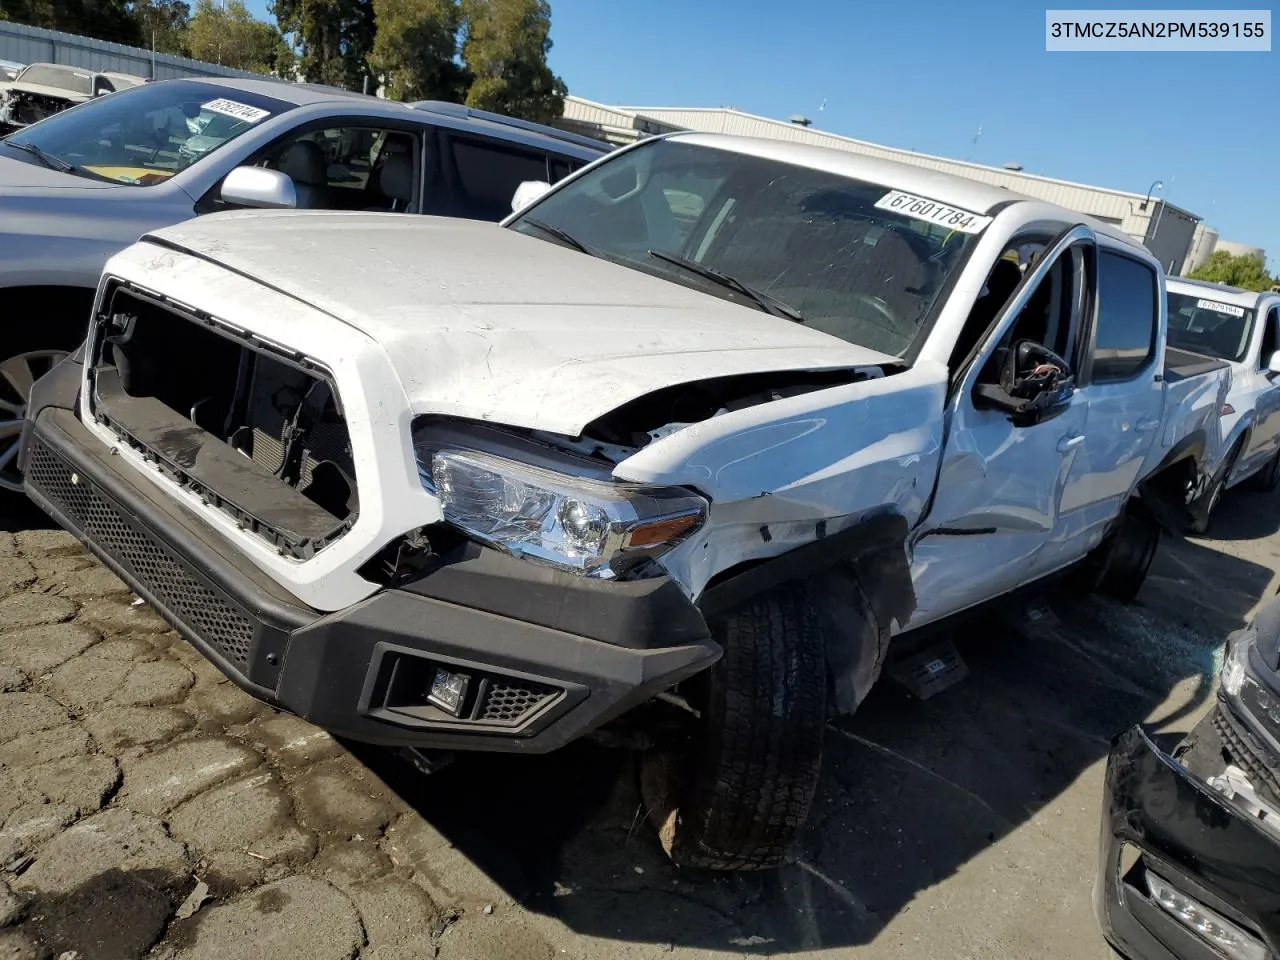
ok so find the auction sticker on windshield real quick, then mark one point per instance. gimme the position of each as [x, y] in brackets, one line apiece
[240, 111]
[1217, 307]
[922, 208]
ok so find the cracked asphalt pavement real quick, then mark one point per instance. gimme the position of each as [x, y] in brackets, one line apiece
[148, 808]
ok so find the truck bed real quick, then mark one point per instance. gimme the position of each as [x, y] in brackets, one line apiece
[1182, 364]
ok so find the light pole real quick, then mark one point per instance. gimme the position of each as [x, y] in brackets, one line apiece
[1155, 185]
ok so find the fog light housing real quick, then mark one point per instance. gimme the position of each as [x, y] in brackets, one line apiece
[449, 691]
[1209, 925]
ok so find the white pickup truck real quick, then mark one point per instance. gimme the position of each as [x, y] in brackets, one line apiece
[1242, 328]
[686, 440]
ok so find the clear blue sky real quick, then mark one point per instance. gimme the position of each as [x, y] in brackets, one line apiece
[926, 75]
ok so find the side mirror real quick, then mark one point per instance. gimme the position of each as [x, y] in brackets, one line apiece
[1273, 363]
[1035, 385]
[527, 193]
[259, 187]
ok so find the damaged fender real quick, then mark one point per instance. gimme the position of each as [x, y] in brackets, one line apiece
[820, 489]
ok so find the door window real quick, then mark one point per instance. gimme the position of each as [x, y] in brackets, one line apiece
[1125, 331]
[488, 173]
[1270, 338]
[350, 168]
[1046, 318]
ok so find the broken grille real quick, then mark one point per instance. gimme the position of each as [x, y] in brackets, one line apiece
[218, 622]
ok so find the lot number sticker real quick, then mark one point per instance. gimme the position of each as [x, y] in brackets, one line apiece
[922, 208]
[1217, 307]
[240, 111]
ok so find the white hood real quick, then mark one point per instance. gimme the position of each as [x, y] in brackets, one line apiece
[486, 323]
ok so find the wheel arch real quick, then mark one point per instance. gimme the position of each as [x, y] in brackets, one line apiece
[859, 582]
[1163, 491]
[65, 308]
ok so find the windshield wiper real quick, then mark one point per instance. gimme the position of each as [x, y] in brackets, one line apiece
[766, 302]
[48, 159]
[564, 235]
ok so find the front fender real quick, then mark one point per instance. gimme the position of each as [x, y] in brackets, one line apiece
[786, 473]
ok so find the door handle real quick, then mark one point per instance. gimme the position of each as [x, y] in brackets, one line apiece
[1146, 424]
[1070, 441]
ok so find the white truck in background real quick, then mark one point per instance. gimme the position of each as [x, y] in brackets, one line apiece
[1241, 328]
[680, 445]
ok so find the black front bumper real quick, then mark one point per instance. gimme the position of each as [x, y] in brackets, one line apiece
[1161, 817]
[549, 657]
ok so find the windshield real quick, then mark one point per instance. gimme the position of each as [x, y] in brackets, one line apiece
[51, 75]
[1209, 327]
[810, 246]
[144, 135]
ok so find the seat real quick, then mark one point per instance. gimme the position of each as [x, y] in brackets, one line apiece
[395, 181]
[304, 163]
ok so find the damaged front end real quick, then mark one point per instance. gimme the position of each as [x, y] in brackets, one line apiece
[20, 108]
[1190, 858]
[253, 431]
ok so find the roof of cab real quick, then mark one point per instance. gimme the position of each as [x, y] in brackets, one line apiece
[961, 192]
[1218, 291]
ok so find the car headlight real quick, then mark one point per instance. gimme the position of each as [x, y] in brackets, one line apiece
[591, 527]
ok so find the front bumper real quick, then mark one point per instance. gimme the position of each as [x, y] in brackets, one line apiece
[1162, 815]
[547, 660]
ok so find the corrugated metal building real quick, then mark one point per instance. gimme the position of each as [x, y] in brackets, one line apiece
[20, 43]
[1165, 229]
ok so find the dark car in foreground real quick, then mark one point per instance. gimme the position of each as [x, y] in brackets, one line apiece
[1190, 859]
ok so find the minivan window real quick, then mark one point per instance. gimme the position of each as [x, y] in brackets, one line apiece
[1207, 326]
[1128, 314]
[818, 244]
[490, 172]
[144, 135]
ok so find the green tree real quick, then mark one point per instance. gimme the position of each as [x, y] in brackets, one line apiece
[1245, 272]
[226, 33]
[334, 37]
[505, 50]
[103, 19]
[415, 49]
[165, 23]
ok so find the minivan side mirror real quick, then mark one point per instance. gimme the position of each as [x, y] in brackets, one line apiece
[258, 187]
[1273, 363]
[527, 193]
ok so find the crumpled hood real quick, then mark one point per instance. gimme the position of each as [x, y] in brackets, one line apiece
[486, 323]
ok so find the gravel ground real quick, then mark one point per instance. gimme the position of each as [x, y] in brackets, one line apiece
[150, 809]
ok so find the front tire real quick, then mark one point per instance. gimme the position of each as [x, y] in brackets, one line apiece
[737, 795]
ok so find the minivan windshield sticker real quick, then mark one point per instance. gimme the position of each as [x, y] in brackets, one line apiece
[231, 108]
[1217, 307]
[931, 211]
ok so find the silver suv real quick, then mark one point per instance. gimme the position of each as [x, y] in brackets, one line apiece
[81, 185]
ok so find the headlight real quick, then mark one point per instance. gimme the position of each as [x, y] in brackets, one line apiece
[593, 528]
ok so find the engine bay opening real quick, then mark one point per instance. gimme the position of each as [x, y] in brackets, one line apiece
[253, 431]
[653, 415]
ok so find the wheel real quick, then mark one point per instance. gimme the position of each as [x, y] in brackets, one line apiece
[1118, 566]
[736, 795]
[17, 374]
[1268, 478]
[1213, 496]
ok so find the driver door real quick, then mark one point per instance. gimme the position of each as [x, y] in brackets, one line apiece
[997, 511]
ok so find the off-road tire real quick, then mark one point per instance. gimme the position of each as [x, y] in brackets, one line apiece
[738, 793]
[1268, 478]
[1118, 566]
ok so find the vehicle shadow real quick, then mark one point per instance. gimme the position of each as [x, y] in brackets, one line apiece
[1245, 514]
[912, 791]
[18, 514]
